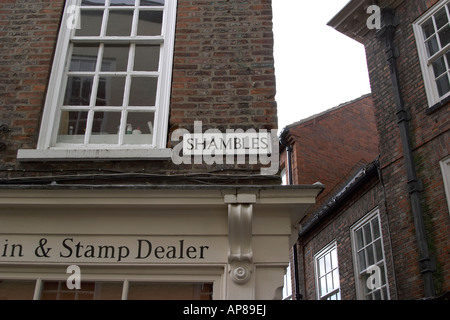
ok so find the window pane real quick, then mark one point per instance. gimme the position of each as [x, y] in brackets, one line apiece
[377, 295]
[169, 291]
[108, 291]
[383, 274]
[51, 285]
[322, 266]
[110, 91]
[443, 85]
[432, 46]
[441, 18]
[323, 286]
[327, 262]
[147, 58]
[143, 91]
[119, 23]
[105, 127]
[72, 126]
[359, 239]
[150, 23]
[84, 57]
[334, 262]
[378, 250]
[78, 91]
[152, 2]
[17, 290]
[329, 282]
[335, 279]
[444, 36]
[376, 228]
[428, 28]
[66, 296]
[122, 2]
[367, 234]
[140, 124]
[93, 2]
[115, 57]
[91, 23]
[57, 290]
[370, 255]
[385, 293]
[362, 261]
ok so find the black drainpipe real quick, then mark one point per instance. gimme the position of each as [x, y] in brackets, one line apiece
[427, 264]
[285, 143]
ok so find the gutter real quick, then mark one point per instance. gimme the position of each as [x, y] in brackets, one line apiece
[361, 177]
[426, 262]
[284, 142]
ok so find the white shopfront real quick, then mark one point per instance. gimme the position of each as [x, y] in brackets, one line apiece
[138, 242]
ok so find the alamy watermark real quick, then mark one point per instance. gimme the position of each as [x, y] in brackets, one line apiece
[74, 280]
[374, 281]
[73, 19]
[374, 21]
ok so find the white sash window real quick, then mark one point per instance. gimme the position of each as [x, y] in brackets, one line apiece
[109, 90]
[327, 273]
[432, 32]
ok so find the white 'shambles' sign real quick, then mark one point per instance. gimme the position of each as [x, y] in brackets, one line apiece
[111, 249]
[227, 144]
[235, 146]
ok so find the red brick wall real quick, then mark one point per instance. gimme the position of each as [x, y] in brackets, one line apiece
[430, 137]
[337, 228]
[223, 75]
[328, 146]
[224, 66]
[28, 31]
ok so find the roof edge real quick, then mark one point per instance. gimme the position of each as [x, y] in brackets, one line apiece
[315, 116]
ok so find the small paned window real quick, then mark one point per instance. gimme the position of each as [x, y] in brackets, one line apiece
[369, 259]
[433, 40]
[327, 273]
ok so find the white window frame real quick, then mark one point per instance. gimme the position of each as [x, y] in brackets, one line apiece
[284, 181]
[425, 62]
[445, 167]
[287, 288]
[363, 292]
[318, 275]
[46, 147]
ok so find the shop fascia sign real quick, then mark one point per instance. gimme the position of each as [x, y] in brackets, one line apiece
[123, 249]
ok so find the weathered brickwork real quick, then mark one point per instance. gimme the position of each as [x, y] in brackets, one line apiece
[224, 66]
[326, 147]
[429, 132]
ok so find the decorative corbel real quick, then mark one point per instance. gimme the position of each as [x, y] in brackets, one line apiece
[240, 232]
[240, 251]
